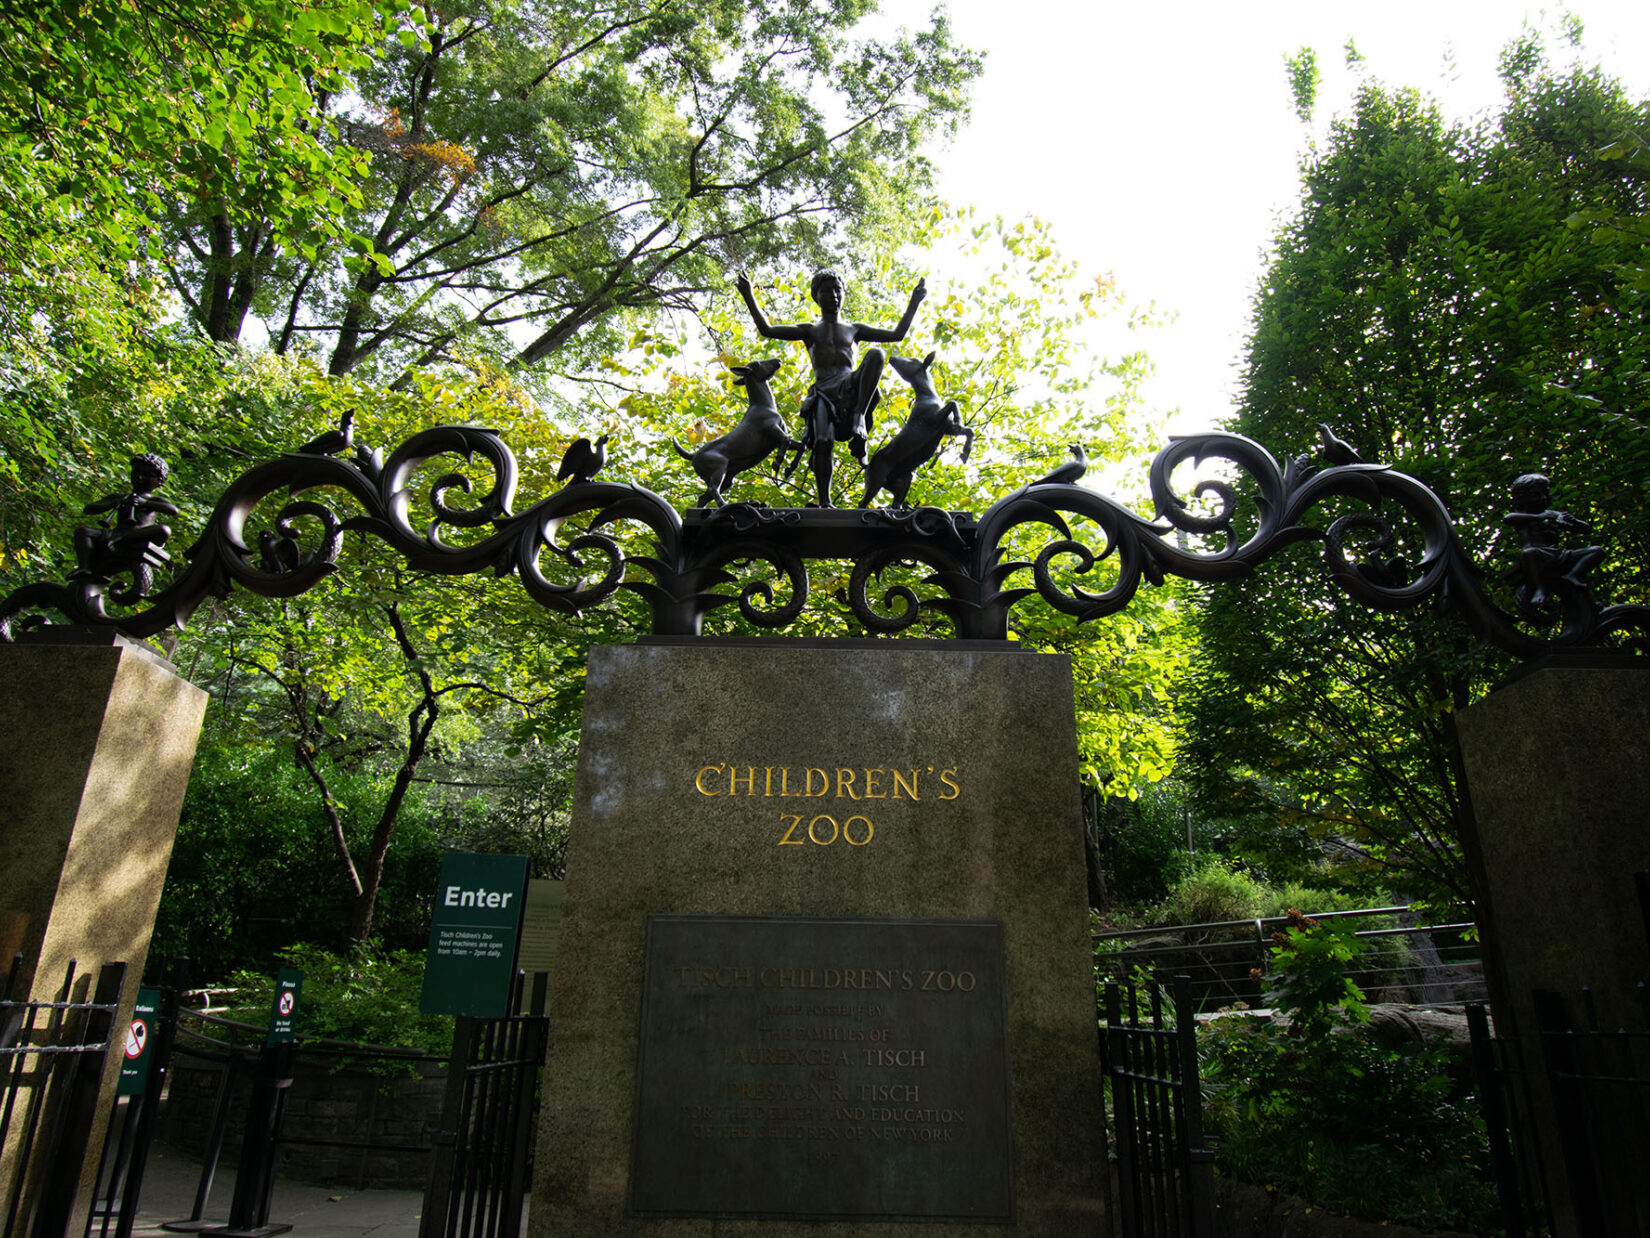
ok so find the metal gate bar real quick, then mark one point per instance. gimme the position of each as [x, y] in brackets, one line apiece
[61, 1068]
[1166, 1175]
[478, 1178]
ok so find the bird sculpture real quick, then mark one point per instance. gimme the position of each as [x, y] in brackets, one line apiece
[333, 442]
[1068, 473]
[1336, 450]
[583, 461]
[277, 555]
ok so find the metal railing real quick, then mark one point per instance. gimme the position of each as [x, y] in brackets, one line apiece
[238, 1048]
[1600, 1078]
[1419, 964]
[482, 1166]
[51, 1066]
[1165, 1172]
[1504, 1096]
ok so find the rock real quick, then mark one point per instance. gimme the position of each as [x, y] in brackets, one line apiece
[1396, 1026]
[1248, 1211]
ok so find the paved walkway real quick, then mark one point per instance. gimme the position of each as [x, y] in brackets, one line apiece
[171, 1179]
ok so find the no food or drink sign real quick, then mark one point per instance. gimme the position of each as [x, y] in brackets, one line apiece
[134, 1070]
[283, 1011]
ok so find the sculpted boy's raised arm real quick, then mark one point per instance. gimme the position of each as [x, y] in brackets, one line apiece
[886, 335]
[763, 326]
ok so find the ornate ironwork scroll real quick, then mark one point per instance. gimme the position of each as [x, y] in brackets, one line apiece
[970, 571]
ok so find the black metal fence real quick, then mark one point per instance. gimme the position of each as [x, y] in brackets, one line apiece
[52, 1056]
[480, 1152]
[1504, 1095]
[1165, 1174]
[1597, 1088]
[1601, 1096]
[132, 1118]
[52, 1061]
[482, 1158]
[1569, 1123]
[230, 1060]
[1420, 964]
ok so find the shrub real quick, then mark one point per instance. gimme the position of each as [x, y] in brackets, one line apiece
[1214, 890]
[1279, 900]
[368, 997]
[1143, 842]
[1310, 1103]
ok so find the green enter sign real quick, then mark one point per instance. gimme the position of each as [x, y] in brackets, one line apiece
[471, 959]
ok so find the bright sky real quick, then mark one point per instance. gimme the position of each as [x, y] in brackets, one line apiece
[1160, 140]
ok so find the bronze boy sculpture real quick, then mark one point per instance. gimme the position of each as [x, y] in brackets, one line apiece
[840, 401]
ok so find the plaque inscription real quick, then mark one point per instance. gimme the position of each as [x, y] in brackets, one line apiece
[822, 1069]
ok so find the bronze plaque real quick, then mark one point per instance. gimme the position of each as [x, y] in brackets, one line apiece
[819, 1069]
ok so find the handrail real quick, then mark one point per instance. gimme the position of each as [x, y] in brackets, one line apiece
[1252, 921]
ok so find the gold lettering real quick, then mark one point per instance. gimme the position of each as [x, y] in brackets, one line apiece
[910, 787]
[785, 792]
[795, 819]
[859, 842]
[750, 780]
[823, 842]
[947, 777]
[767, 785]
[699, 779]
[845, 784]
[871, 790]
[824, 783]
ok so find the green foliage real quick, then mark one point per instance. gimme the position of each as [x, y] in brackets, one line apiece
[1214, 891]
[107, 110]
[1142, 842]
[1217, 888]
[1626, 235]
[1308, 980]
[1429, 302]
[1323, 1110]
[367, 997]
[1385, 1134]
[537, 171]
[252, 869]
[1303, 80]
[122, 104]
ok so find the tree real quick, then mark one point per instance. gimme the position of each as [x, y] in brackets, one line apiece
[368, 682]
[247, 156]
[107, 110]
[616, 158]
[118, 105]
[537, 168]
[1429, 302]
[394, 694]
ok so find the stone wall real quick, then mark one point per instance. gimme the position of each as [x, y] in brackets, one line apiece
[1248, 1211]
[397, 1109]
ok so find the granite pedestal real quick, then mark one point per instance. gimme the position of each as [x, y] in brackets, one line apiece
[99, 742]
[1556, 768]
[824, 965]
